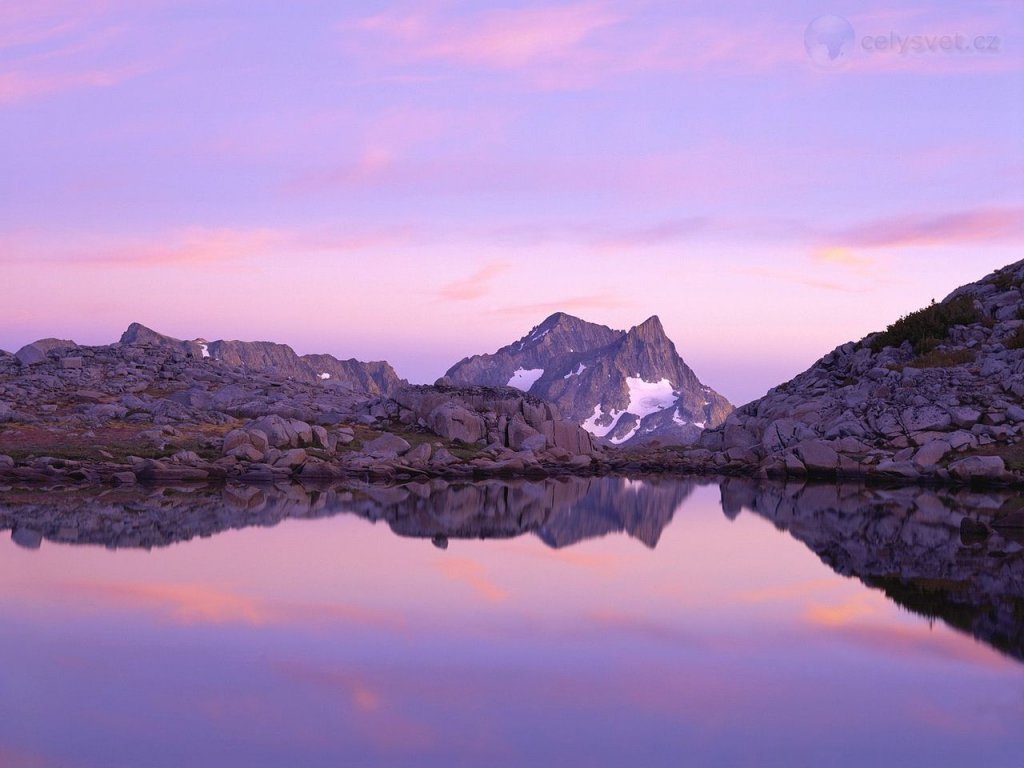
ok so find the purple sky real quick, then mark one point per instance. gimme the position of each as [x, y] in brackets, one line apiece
[421, 181]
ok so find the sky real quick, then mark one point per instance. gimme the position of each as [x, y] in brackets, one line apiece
[423, 181]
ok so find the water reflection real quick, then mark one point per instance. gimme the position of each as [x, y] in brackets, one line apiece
[953, 555]
[600, 622]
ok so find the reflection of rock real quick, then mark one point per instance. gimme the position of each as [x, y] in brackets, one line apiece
[908, 543]
[561, 511]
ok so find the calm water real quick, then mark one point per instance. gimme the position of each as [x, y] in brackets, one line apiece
[597, 622]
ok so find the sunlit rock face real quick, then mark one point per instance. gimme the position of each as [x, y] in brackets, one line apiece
[624, 387]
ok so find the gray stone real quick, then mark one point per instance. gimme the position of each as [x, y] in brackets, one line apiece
[234, 439]
[456, 423]
[246, 452]
[387, 446]
[931, 453]
[419, 455]
[817, 456]
[926, 417]
[291, 459]
[978, 468]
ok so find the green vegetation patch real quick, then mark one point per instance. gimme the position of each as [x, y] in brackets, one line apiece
[942, 359]
[925, 328]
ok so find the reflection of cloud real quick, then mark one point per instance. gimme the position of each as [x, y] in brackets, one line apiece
[375, 721]
[919, 640]
[785, 592]
[12, 757]
[471, 573]
[200, 604]
[183, 603]
[472, 286]
[839, 614]
[643, 627]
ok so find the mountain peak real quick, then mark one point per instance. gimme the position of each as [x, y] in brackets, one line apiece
[137, 333]
[650, 329]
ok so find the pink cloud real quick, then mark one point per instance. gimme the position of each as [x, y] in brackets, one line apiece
[472, 286]
[196, 246]
[501, 38]
[998, 223]
[570, 45]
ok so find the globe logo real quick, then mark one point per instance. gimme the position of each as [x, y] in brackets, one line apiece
[829, 41]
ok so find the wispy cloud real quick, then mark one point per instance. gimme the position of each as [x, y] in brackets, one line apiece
[55, 46]
[186, 246]
[661, 233]
[796, 278]
[570, 45]
[996, 223]
[525, 38]
[472, 286]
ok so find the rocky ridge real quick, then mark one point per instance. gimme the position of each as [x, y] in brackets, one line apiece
[938, 397]
[275, 359]
[627, 388]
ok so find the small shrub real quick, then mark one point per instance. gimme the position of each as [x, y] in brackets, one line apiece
[925, 328]
[1016, 341]
[1004, 281]
[940, 359]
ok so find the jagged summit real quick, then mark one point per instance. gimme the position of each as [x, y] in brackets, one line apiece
[622, 386]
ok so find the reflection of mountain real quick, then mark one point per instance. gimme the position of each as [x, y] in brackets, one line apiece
[640, 508]
[907, 542]
[561, 511]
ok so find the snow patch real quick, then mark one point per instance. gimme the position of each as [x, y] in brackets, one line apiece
[541, 335]
[325, 375]
[204, 349]
[596, 429]
[647, 397]
[524, 378]
[579, 369]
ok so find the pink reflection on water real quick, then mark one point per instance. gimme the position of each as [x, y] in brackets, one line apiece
[472, 573]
